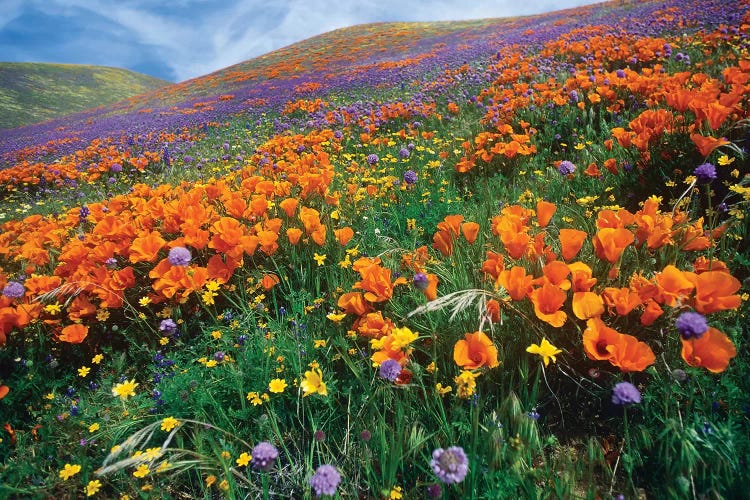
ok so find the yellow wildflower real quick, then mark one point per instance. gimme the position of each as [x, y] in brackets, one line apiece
[69, 471]
[93, 487]
[244, 459]
[169, 423]
[277, 385]
[313, 383]
[125, 389]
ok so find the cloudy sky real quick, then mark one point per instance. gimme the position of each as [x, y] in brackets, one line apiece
[181, 39]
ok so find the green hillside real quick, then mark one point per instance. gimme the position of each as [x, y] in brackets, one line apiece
[34, 92]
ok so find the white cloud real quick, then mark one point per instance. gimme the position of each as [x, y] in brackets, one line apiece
[196, 37]
[11, 10]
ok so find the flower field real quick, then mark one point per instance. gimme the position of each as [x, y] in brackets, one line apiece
[484, 259]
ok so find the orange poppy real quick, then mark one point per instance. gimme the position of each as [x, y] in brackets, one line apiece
[376, 281]
[674, 285]
[587, 305]
[74, 334]
[269, 281]
[319, 235]
[343, 235]
[544, 212]
[470, 231]
[517, 283]
[493, 264]
[652, 311]
[493, 310]
[601, 342]
[597, 338]
[593, 170]
[515, 243]
[374, 325]
[555, 273]
[443, 242]
[712, 351]
[267, 241]
[706, 145]
[547, 301]
[146, 248]
[702, 264]
[4, 390]
[609, 243]
[631, 355]
[715, 291]
[293, 234]
[580, 277]
[452, 224]
[623, 300]
[430, 292]
[571, 241]
[474, 351]
[354, 303]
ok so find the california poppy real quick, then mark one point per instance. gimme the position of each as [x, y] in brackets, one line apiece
[547, 300]
[712, 351]
[74, 334]
[609, 243]
[343, 235]
[269, 281]
[544, 212]
[474, 351]
[715, 291]
[587, 305]
[470, 231]
[516, 282]
[571, 241]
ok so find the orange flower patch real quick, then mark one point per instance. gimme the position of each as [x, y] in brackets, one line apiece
[601, 342]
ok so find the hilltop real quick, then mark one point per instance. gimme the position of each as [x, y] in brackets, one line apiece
[35, 92]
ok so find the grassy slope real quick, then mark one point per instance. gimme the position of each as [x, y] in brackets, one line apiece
[34, 92]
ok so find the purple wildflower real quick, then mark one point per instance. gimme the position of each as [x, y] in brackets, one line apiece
[620, 73]
[179, 256]
[168, 326]
[115, 167]
[435, 490]
[421, 281]
[390, 369]
[573, 95]
[705, 173]
[325, 480]
[625, 393]
[372, 158]
[691, 325]
[14, 290]
[566, 167]
[264, 454]
[451, 465]
[410, 177]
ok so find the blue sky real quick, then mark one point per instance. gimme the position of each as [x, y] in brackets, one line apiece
[182, 39]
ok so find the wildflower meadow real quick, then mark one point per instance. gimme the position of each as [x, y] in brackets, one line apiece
[503, 258]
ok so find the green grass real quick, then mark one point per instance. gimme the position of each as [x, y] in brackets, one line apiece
[35, 92]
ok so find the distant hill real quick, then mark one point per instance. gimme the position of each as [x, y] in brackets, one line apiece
[35, 92]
